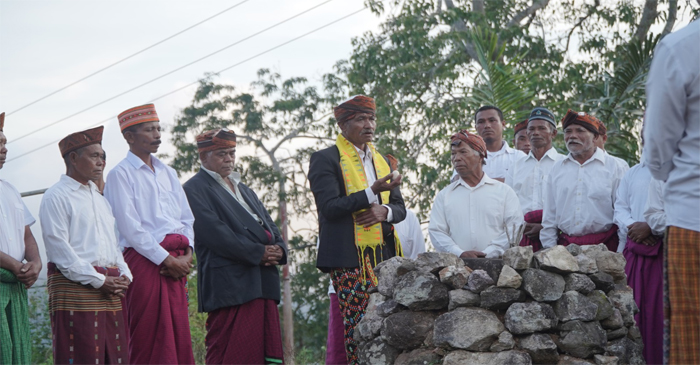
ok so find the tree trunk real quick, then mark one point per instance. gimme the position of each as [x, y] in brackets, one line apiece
[287, 316]
[648, 16]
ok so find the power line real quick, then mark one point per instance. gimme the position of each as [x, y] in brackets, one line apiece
[199, 80]
[172, 71]
[127, 57]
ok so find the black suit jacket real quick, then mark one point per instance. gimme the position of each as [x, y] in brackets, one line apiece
[230, 244]
[336, 228]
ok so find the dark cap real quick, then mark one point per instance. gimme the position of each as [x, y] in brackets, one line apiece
[542, 113]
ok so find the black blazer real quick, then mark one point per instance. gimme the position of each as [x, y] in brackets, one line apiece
[229, 244]
[336, 228]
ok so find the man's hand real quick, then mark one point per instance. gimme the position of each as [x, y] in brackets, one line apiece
[272, 255]
[375, 214]
[28, 273]
[471, 254]
[124, 279]
[176, 267]
[385, 184]
[649, 241]
[638, 231]
[114, 286]
[532, 230]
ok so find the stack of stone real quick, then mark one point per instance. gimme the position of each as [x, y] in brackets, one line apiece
[563, 305]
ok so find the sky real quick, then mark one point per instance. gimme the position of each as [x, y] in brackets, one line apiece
[46, 45]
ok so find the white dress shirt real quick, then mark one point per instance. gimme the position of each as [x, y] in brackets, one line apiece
[465, 218]
[411, 235]
[654, 212]
[528, 178]
[618, 160]
[147, 206]
[497, 163]
[235, 178]
[371, 175]
[78, 230]
[14, 216]
[580, 197]
[631, 200]
[672, 124]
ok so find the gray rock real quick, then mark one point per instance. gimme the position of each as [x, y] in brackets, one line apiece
[487, 358]
[623, 299]
[504, 342]
[578, 282]
[388, 308]
[463, 298]
[519, 257]
[420, 290]
[541, 348]
[473, 329]
[455, 277]
[614, 321]
[479, 280]
[406, 267]
[433, 262]
[582, 339]
[592, 251]
[492, 266]
[605, 360]
[570, 360]
[634, 334]
[371, 322]
[523, 318]
[575, 306]
[612, 263]
[626, 350]
[574, 249]
[387, 275]
[501, 298]
[618, 333]
[556, 259]
[543, 286]
[586, 265]
[377, 352]
[420, 356]
[603, 281]
[407, 330]
[509, 278]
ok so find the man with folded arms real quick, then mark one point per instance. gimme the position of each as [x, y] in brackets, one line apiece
[238, 250]
[17, 244]
[580, 192]
[87, 274]
[154, 224]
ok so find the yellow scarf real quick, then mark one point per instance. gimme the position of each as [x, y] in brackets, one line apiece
[356, 180]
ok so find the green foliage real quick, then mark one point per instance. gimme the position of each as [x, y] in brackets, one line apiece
[40, 325]
[198, 321]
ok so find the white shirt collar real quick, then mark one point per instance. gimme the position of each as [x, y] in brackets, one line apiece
[597, 155]
[505, 148]
[74, 184]
[234, 176]
[484, 180]
[551, 153]
[138, 163]
[364, 154]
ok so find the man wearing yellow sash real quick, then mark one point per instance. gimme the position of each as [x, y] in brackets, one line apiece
[357, 201]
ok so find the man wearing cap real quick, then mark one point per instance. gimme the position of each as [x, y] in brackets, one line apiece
[520, 140]
[469, 215]
[238, 249]
[357, 201]
[87, 274]
[672, 151]
[17, 244]
[154, 224]
[528, 176]
[581, 188]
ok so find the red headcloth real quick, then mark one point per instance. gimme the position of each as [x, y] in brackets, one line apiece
[519, 127]
[474, 141]
[393, 161]
[216, 139]
[137, 115]
[602, 130]
[347, 109]
[585, 120]
[2, 121]
[80, 139]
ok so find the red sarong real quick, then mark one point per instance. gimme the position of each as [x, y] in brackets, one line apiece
[644, 271]
[87, 325]
[533, 217]
[335, 344]
[609, 238]
[159, 323]
[245, 334]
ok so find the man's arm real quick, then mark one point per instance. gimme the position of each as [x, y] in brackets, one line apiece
[623, 212]
[186, 215]
[29, 272]
[276, 234]
[654, 213]
[549, 232]
[439, 230]
[512, 217]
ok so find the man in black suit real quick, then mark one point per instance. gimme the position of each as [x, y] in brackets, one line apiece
[238, 248]
[358, 199]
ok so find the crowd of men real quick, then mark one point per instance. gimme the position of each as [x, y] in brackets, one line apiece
[120, 250]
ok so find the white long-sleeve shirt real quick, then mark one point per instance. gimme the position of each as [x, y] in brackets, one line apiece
[497, 163]
[580, 197]
[528, 178]
[411, 235]
[371, 175]
[654, 212]
[631, 200]
[672, 124]
[147, 206]
[78, 230]
[14, 216]
[465, 218]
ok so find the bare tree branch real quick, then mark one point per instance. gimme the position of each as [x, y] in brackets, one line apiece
[531, 10]
[671, 20]
[649, 14]
[591, 10]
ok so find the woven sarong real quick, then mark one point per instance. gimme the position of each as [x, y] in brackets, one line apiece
[335, 344]
[532, 217]
[609, 238]
[87, 325]
[683, 271]
[245, 334]
[15, 341]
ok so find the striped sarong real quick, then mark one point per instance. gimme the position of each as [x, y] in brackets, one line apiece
[15, 340]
